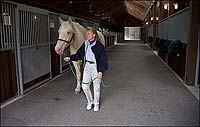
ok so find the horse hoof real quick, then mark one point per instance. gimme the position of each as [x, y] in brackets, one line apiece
[77, 92]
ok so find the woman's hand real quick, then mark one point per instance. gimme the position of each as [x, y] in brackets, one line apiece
[100, 75]
[66, 59]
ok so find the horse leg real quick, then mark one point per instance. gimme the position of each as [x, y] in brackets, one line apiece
[78, 74]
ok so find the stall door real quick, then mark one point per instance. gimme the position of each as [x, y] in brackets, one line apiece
[8, 76]
[34, 46]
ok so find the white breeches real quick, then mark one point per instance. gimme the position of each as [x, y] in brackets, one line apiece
[89, 73]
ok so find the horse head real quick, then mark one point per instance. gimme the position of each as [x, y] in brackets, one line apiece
[66, 35]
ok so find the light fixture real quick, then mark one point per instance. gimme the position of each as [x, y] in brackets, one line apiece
[147, 23]
[157, 18]
[151, 18]
[166, 6]
[91, 8]
[175, 5]
[70, 2]
[35, 17]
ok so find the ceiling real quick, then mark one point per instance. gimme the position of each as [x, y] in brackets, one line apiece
[138, 8]
[113, 13]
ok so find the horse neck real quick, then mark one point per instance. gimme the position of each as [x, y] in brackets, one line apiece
[79, 38]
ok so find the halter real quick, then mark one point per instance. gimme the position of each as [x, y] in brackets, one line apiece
[68, 42]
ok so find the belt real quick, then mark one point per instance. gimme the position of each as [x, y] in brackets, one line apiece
[90, 62]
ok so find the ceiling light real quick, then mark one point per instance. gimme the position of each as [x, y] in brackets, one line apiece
[157, 18]
[175, 5]
[147, 23]
[166, 6]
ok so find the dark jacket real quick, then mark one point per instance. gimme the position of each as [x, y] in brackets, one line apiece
[100, 56]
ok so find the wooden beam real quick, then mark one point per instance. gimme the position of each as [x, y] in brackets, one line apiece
[140, 5]
[134, 11]
[138, 8]
[192, 44]
[154, 27]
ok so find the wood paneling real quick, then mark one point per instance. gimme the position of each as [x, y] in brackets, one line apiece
[177, 63]
[8, 78]
[35, 81]
[162, 56]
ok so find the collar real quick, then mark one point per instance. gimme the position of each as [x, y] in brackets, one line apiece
[93, 42]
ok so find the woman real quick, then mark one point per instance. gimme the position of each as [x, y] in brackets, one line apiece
[95, 63]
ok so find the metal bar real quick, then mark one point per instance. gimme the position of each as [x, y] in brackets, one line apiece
[44, 29]
[26, 28]
[19, 64]
[39, 29]
[31, 46]
[20, 28]
[41, 25]
[5, 27]
[1, 26]
[34, 26]
[11, 27]
[45, 36]
[14, 28]
[49, 46]
[36, 30]
[29, 27]
[8, 27]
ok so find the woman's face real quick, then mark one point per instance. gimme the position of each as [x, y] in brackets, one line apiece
[90, 35]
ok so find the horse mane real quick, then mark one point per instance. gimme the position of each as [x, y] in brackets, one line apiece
[79, 27]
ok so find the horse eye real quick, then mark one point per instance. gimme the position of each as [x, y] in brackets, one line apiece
[68, 32]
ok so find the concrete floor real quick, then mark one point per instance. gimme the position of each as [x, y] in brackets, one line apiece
[140, 90]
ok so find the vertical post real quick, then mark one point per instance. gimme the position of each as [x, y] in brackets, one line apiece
[168, 22]
[147, 28]
[192, 44]
[49, 44]
[198, 58]
[154, 27]
[19, 64]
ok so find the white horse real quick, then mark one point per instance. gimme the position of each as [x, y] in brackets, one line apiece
[73, 34]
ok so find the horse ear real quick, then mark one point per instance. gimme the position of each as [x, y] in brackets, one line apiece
[70, 20]
[61, 21]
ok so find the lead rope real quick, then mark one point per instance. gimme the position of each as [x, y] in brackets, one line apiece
[88, 83]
